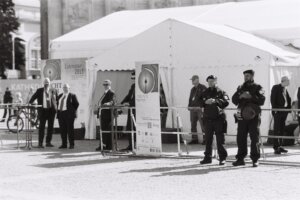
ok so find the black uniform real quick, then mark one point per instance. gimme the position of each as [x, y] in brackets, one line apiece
[250, 126]
[214, 120]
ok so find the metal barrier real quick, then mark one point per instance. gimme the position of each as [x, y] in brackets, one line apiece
[27, 123]
[178, 133]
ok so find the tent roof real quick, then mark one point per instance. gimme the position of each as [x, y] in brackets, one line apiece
[281, 57]
[280, 21]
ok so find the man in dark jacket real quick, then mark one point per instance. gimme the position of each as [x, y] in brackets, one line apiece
[107, 99]
[214, 100]
[280, 98]
[248, 97]
[194, 102]
[46, 98]
[129, 100]
[66, 114]
[7, 98]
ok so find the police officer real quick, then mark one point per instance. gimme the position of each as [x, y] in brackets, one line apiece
[248, 97]
[214, 100]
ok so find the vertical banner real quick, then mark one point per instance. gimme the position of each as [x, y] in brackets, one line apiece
[148, 140]
[73, 72]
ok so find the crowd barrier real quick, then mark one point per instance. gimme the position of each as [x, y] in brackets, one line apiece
[114, 130]
[26, 121]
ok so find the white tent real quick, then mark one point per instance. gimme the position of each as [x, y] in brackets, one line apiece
[183, 49]
[276, 20]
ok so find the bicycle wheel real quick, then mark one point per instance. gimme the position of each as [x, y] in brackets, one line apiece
[14, 123]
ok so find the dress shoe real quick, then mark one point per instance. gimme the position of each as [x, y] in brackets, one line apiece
[255, 163]
[222, 162]
[98, 148]
[282, 150]
[40, 146]
[206, 161]
[49, 145]
[71, 147]
[3, 120]
[277, 151]
[62, 147]
[238, 162]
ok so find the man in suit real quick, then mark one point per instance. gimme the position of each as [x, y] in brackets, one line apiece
[280, 98]
[46, 98]
[129, 100]
[106, 100]
[66, 114]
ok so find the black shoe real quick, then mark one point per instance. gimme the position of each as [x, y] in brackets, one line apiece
[282, 150]
[62, 147]
[255, 163]
[238, 162]
[3, 120]
[71, 147]
[40, 146]
[49, 145]
[205, 161]
[98, 148]
[222, 162]
[277, 151]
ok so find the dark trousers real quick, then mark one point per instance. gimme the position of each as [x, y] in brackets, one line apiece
[106, 126]
[129, 127]
[196, 116]
[215, 127]
[251, 127]
[5, 112]
[46, 115]
[279, 124]
[66, 125]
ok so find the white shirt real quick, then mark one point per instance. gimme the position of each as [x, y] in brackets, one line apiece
[285, 98]
[45, 98]
[65, 102]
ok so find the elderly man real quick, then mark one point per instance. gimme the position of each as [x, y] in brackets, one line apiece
[107, 99]
[280, 98]
[194, 102]
[46, 98]
[66, 114]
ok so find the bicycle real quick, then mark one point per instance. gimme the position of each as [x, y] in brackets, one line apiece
[16, 123]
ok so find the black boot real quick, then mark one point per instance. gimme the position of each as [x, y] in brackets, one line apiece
[206, 160]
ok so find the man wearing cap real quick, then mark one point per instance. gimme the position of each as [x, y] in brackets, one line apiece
[194, 102]
[281, 99]
[214, 100]
[248, 97]
[106, 100]
[66, 114]
[46, 98]
[129, 100]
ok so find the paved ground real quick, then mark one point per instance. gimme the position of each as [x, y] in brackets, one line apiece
[83, 173]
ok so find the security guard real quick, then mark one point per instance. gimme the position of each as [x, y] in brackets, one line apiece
[214, 100]
[248, 97]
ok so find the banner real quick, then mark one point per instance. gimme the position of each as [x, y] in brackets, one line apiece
[24, 86]
[148, 140]
[73, 72]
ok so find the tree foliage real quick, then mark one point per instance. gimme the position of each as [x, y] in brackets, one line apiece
[8, 24]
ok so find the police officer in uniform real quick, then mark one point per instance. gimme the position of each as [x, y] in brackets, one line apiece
[248, 97]
[214, 100]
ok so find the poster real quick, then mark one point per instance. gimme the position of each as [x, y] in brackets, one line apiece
[148, 110]
[73, 72]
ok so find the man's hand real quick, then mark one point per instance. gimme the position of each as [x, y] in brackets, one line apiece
[210, 101]
[245, 95]
[125, 104]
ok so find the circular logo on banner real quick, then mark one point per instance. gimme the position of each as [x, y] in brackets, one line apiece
[52, 70]
[148, 79]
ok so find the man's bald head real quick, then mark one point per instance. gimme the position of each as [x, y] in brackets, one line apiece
[285, 81]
